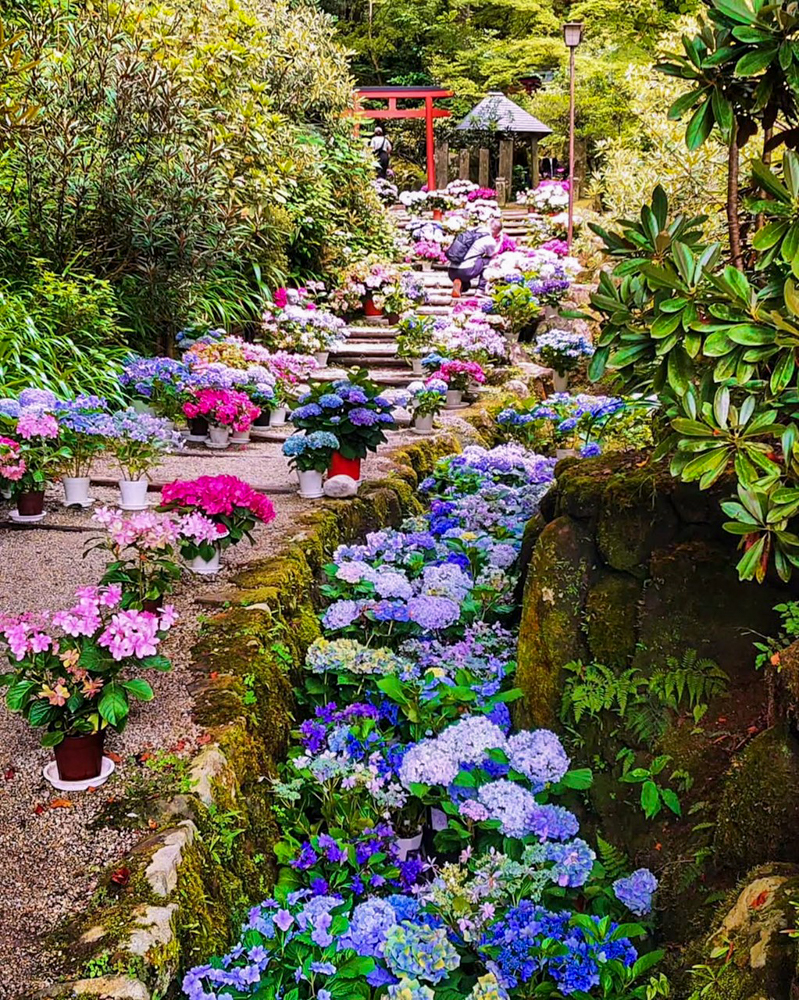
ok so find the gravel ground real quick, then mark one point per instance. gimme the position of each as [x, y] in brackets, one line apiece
[50, 856]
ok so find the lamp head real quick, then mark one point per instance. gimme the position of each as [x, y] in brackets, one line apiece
[573, 33]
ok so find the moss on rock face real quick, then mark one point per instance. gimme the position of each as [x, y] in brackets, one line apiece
[758, 818]
[550, 633]
[611, 614]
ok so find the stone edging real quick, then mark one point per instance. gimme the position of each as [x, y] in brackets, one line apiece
[210, 856]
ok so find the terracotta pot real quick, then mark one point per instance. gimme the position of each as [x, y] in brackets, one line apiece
[369, 307]
[80, 757]
[393, 319]
[340, 466]
[29, 504]
[198, 427]
[438, 213]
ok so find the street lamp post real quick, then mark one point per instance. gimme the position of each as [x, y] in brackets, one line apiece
[572, 35]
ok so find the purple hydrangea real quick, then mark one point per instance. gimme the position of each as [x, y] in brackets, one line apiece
[539, 756]
[636, 891]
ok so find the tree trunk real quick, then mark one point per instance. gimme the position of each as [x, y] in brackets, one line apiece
[733, 221]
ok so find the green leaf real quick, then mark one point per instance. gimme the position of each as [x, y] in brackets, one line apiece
[755, 62]
[579, 778]
[650, 799]
[139, 689]
[736, 10]
[670, 799]
[769, 235]
[52, 739]
[156, 662]
[113, 704]
[700, 126]
[18, 694]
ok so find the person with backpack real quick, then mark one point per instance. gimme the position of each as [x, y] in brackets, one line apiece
[470, 253]
[381, 147]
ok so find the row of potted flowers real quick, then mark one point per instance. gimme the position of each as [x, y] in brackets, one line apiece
[74, 672]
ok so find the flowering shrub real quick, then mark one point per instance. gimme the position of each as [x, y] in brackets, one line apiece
[550, 197]
[564, 420]
[366, 278]
[429, 250]
[469, 337]
[427, 398]
[222, 407]
[70, 671]
[415, 335]
[38, 453]
[403, 718]
[225, 500]
[159, 381]
[311, 451]
[142, 549]
[460, 374]
[299, 325]
[562, 349]
[137, 440]
[84, 425]
[517, 304]
[351, 409]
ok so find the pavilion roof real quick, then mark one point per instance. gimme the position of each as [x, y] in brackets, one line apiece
[500, 113]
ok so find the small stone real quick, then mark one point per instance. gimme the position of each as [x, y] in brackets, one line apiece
[209, 767]
[162, 872]
[340, 486]
[92, 934]
[153, 928]
[517, 387]
[104, 988]
[402, 417]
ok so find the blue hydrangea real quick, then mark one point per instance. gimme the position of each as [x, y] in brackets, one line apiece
[636, 891]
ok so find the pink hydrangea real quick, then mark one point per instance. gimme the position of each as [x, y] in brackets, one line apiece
[223, 406]
[12, 465]
[218, 495]
[32, 424]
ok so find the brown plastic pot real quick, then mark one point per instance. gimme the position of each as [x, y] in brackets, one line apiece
[31, 503]
[154, 605]
[79, 758]
[198, 426]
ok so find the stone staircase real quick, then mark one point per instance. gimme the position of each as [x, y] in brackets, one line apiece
[371, 342]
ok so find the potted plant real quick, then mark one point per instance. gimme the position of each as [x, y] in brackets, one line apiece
[84, 424]
[137, 440]
[310, 454]
[438, 201]
[155, 385]
[73, 674]
[12, 465]
[516, 303]
[354, 411]
[562, 351]
[41, 451]
[227, 501]
[458, 375]
[200, 539]
[426, 402]
[300, 325]
[226, 410]
[414, 337]
[429, 252]
[143, 550]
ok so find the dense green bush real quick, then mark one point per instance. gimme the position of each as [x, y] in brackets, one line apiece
[60, 333]
[193, 156]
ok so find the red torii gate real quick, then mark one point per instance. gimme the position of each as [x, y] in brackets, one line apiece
[428, 112]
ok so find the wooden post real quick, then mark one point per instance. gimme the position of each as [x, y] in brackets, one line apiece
[441, 178]
[483, 172]
[534, 172]
[430, 141]
[506, 165]
[464, 164]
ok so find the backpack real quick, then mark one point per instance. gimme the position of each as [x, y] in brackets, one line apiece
[461, 245]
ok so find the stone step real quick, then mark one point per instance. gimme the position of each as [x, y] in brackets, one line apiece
[368, 361]
[392, 378]
[372, 349]
[372, 336]
[435, 310]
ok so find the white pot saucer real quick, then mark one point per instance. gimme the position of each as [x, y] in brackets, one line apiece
[415, 430]
[17, 518]
[78, 503]
[311, 496]
[133, 506]
[217, 447]
[50, 771]
[196, 438]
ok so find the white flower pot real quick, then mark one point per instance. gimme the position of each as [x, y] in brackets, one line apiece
[423, 424]
[416, 366]
[218, 436]
[205, 567]
[407, 845]
[240, 437]
[321, 358]
[277, 416]
[560, 383]
[5, 489]
[76, 490]
[133, 494]
[427, 265]
[310, 484]
[454, 398]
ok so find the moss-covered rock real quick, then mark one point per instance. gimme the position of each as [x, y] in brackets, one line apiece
[758, 817]
[611, 617]
[550, 633]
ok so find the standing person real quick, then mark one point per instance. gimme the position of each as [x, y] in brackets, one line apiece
[381, 147]
[470, 253]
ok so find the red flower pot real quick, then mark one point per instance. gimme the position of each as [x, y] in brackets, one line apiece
[340, 466]
[80, 757]
[393, 319]
[31, 503]
[369, 307]
[438, 213]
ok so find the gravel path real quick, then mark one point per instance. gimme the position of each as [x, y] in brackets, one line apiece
[50, 855]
